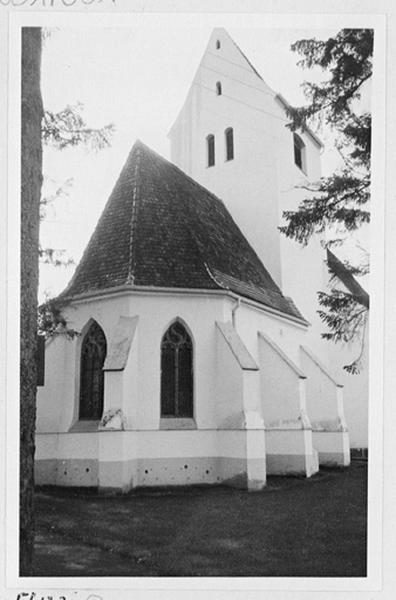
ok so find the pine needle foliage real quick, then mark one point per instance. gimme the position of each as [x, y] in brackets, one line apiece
[339, 201]
[64, 129]
[341, 198]
[67, 128]
[50, 320]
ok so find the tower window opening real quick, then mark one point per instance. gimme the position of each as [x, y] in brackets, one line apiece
[218, 88]
[218, 45]
[299, 153]
[210, 144]
[229, 139]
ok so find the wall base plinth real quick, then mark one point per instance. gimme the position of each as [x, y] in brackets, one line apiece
[291, 452]
[333, 448]
[118, 461]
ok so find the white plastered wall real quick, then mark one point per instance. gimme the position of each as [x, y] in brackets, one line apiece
[248, 321]
[58, 399]
[227, 402]
[55, 401]
[229, 387]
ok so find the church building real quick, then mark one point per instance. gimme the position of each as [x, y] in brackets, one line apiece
[199, 357]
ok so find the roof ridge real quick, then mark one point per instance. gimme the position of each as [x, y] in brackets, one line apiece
[136, 188]
[186, 205]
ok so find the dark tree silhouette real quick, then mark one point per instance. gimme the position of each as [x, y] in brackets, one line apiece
[340, 200]
[64, 129]
[31, 180]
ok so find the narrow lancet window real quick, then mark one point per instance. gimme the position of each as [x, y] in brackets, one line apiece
[229, 139]
[218, 88]
[299, 152]
[93, 354]
[218, 44]
[177, 373]
[210, 143]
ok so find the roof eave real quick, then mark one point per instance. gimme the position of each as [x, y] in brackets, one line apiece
[128, 288]
[307, 130]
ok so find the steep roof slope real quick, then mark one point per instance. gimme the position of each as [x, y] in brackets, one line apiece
[338, 269]
[162, 229]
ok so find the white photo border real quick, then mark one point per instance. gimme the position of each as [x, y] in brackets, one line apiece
[80, 585]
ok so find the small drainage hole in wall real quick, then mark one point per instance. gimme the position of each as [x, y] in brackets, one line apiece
[146, 471]
[87, 470]
[186, 466]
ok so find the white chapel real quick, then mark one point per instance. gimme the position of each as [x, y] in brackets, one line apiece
[199, 357]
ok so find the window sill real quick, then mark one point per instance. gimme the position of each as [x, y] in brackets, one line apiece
[301, 169]
[84, 426]
[177, 423]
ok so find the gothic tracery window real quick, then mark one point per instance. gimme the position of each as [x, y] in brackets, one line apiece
[93, 354]
[176, 372]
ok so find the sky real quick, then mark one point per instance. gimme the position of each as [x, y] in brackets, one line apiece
[136, 78]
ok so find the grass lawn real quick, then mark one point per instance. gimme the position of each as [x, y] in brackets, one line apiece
[296, 527]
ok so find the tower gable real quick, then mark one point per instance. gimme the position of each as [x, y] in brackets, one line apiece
[266, 167]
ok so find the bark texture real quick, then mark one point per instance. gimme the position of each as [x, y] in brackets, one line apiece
[31, 180]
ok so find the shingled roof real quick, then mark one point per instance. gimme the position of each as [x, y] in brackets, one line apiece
[339, 270]
[160, 228]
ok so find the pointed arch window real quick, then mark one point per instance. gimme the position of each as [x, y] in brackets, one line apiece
[210, 148]
[219, 89]
[177, 373]
[229, 139]
[93, 354]
[299, 152]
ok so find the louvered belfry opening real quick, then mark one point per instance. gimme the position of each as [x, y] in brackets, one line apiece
[93, 354]
[176, 373]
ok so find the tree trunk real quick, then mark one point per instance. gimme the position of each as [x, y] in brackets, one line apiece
[31, 179]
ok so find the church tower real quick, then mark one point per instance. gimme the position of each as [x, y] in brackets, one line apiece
[231, 136]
